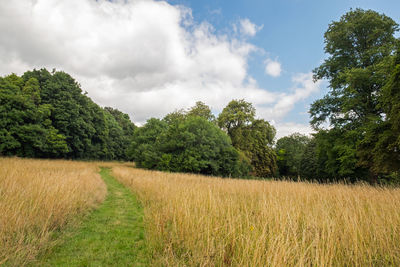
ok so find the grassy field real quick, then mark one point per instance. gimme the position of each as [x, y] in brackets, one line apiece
[38, 197]
[189, 220]
[200, 221]
[112, 235]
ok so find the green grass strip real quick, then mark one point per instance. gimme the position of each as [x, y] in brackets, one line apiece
[112, 235]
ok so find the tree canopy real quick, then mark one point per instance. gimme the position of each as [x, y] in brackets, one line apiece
[45, 114]
[253, 137]
[360, 140]
[185, 144]
[360, 46]
[290, 150]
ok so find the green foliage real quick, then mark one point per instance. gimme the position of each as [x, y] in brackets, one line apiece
[25, 127]
[360, 46]
[192, 144]
[253, 137]
[175, 117]
[290, 150]
[236, 114]
[256, 144]
[120, 131]
[337, 154]
[310, 165]
[380, 148]
[198, 110]
[145, 146]
[201, 110]
[198, 146]
[45, 114]
[358, 145]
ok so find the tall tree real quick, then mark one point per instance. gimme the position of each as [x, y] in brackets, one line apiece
[380, 148]
[361, 46]
[257, 145]
[252, 137]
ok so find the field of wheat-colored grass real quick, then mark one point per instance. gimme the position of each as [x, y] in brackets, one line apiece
[203, 221]
[37, 197]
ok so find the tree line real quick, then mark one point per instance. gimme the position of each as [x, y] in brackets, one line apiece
[233, 145]
[46, 115]
[357, 123]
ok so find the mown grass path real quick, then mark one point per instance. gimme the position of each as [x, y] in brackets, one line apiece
[112, 235]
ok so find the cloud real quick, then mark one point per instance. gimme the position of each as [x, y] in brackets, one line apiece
[273, 67]
[285, 129]
[145, 58]
[248, 28]
[304, 86]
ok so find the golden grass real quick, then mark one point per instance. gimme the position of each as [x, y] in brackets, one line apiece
[37, 197]
[203, 221]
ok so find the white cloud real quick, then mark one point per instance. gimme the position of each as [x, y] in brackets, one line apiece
[145, 58]
[285, 129]
[248, 28]
[273, 67]
[303, 88]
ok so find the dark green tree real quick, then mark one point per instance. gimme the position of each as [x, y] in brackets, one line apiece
[120, 132]
[185, 144]
[258, 137]
[310, 168]
[361, 46]
[90, 132]
[70, 113]
[290, 150]
[145, 147]
[380, 148]
[198, 146]
[25, 126]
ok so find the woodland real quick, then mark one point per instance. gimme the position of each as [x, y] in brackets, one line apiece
[46, 114]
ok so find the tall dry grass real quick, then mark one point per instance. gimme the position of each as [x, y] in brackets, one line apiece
[200, 221]
[38, 197]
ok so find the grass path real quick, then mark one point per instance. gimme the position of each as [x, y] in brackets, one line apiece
[112, 235]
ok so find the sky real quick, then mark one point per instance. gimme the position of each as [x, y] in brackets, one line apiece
[148, 58]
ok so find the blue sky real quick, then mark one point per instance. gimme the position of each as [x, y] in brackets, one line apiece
[149, 58]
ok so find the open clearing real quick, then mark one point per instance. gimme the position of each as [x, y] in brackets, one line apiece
[188, 220]
[195, 220]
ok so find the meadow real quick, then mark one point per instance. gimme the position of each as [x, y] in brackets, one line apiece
[39, 197]
[193, 220]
